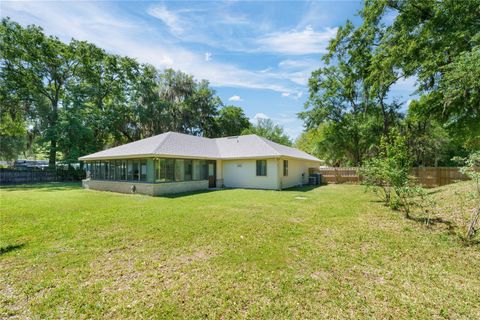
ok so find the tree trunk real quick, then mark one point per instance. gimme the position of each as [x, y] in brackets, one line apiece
[52, 157]
[471, 228]
[385, 118]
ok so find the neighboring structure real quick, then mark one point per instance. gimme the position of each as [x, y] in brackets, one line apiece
[174, 162]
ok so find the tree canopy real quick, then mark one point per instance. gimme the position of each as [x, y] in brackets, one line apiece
[437, 43]
[268, 129]
[73, 99]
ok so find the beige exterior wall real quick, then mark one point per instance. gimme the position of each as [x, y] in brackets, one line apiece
[243, 174]
[219, 168]
[295, 170]
[151, 189]
[230, 173]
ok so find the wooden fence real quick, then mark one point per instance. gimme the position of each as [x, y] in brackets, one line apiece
[15, 176]
[427, 176]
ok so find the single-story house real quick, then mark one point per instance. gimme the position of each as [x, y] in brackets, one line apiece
[173, 162]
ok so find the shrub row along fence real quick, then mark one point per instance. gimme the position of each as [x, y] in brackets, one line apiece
[427, 176]
[14, 176]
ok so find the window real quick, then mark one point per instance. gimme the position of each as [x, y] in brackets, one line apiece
[160, 170]
[179, 170]
[111, 170]
[261, 167]
[188, 170]
[211, 169]
[93, 170]
[168, 170]
[118, 166]
[285, 168]
[123, 170]
[129, 170]
[196, 169]
[199, 170]
[143, 170]
[203, 170]
[105, 170]
[102, 170]
[164, 170]
[136, 170]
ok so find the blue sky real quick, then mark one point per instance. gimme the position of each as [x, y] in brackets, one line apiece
[257, 54]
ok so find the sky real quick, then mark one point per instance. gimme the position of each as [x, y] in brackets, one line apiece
[256, 54]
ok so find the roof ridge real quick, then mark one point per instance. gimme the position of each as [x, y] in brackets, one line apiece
[162, 142]
[268, 145]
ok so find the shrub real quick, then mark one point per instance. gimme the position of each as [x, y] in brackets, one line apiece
[472, 169]
[388, 175]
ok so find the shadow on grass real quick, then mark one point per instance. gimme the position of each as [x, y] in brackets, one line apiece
[192, 193]
[433, 221]
[11, 247]
[50, 186]
[301, 189]
[187, 194]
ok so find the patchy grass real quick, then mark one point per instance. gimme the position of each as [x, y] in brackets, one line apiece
[454, 205]
[330, 252]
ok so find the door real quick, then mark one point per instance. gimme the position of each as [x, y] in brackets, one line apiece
[212, 179]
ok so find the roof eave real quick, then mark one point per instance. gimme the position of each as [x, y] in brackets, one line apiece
[149, 155]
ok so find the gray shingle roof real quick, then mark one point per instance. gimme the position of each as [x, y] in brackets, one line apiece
[182, 145]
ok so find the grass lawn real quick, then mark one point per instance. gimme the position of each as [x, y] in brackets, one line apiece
[330, 252]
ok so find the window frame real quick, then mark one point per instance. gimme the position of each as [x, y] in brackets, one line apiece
[259, 168]
[285, 168]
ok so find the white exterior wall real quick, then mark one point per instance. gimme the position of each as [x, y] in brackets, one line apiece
[295, 170]
[243, 174]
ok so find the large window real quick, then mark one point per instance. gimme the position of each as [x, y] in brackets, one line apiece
[143, 170]
[199, 168]
[188, 170]
[285, 168]
[111, 170]
[123, 169]
[261, 167]
[164, 170]
[179, 169]
[136, 170]
[129, 170]
[167, 170]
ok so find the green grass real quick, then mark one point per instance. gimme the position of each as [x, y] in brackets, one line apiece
[331, 252]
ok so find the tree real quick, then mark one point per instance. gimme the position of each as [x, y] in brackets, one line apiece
[470, 168]
[268, 129]
[429, 143]
[351, 123]
[310, 141]
[39, 68]
[349, 95]
[202, 111]
[231, 121]
[387, 174]
[79, 99]
[175, 88]
[437, 42]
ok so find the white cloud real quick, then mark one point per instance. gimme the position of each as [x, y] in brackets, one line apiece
[295, 42]
[290, 64]
[91, 21]
[235, 98]
[169, 18]
[208, 56]
[285, 94]
[259, 116]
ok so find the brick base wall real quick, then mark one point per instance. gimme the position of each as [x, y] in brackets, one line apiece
[151, 189]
